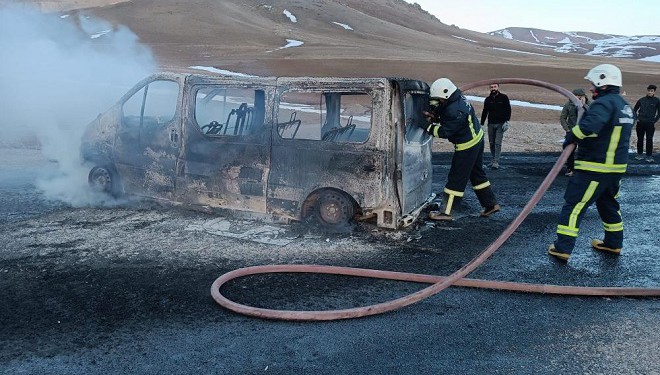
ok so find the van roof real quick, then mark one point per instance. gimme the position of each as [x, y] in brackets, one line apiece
[406, 83]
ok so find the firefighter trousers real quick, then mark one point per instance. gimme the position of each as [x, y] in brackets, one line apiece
[467, 165]
[583, 189]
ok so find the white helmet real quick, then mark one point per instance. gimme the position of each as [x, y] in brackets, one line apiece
[605, 74]
[442, 88]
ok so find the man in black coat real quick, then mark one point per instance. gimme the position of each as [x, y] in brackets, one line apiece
[647, 111]
[497, 110]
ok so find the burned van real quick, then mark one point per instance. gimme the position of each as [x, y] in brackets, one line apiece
[337, 149]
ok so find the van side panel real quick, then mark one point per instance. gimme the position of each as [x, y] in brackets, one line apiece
[362, 170]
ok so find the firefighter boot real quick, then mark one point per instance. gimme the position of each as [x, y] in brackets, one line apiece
[600, 245]
[552, 250]
[487, 200]
[490, 210]
[448, 203]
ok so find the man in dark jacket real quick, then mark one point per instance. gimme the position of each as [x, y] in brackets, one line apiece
[647, 110]
[568, 119]
[453, 117]
[602, 136]
[497, 110]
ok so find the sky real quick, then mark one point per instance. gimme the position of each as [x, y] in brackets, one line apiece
[630, 17]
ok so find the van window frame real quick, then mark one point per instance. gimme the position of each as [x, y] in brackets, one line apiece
[144, 88]
[193, 109]
[321, 92]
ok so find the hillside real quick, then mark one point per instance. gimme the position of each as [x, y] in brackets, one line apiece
[640, 47]
[342, 38]
[347, 38]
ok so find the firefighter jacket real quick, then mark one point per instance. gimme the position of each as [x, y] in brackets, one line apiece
[603, 134]
[647, 109]
[497, 109]
[457, 122]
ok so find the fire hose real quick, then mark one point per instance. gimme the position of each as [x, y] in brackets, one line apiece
[439, 283]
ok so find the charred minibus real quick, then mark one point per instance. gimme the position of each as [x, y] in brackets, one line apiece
[337, 149]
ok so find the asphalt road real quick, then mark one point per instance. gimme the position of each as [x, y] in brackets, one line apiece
[125, 289]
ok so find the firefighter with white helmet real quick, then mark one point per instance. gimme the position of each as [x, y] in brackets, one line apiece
[602, 136]
[451, 116]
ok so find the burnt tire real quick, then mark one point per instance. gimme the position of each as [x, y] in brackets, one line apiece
[334, 211]
[104, 179]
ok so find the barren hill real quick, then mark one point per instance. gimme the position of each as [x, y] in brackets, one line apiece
[347, 38]
[641, 47]
[389, 37]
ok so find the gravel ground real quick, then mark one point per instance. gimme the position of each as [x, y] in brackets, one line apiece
[125, 289]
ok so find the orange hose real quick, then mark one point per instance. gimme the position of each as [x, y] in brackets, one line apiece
[439, 283]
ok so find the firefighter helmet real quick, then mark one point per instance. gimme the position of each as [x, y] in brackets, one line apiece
[605, 74]
[442, 88]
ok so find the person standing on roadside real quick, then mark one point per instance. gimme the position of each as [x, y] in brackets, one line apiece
[647, 111]
[451, 116]
[568, 119]
[497, 110]
[602, 137]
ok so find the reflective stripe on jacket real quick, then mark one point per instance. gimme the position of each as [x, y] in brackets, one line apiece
[604, 134]
[457, 122]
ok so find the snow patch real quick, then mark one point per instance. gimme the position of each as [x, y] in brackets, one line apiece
[100, 34]
[290, 16]
[292, 43]
[565, 41]
[345, 26]
[220, 71]
[655, 58]
[516, 51]
[469, 40]
[519, 103]
[534, 36]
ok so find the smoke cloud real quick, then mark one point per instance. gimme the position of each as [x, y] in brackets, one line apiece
[57, 73]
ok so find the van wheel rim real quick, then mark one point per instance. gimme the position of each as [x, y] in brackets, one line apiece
[334, 209]
[101, 179]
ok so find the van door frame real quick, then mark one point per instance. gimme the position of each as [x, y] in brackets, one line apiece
[149, 167]
[225, 171]
[364, 171]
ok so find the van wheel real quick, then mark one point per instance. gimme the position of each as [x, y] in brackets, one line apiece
[334, 210]
[104, 179]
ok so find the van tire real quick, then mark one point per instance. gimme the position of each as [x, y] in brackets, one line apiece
[104, 179]
[334, 211]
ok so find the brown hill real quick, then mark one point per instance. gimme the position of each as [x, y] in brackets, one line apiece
[347, 38]
[388, 37]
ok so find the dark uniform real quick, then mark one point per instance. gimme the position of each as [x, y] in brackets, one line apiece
[647, 110]
[458, 123]
[497, 109]
[603, 136]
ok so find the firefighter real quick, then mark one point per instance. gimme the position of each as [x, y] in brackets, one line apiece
[451, 116]
[602, 137]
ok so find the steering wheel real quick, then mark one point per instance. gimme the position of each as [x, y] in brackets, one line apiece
[213, 127]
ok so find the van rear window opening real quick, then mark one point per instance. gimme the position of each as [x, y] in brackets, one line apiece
[325, 116]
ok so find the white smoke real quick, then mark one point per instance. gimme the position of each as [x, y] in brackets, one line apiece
[57, 74]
